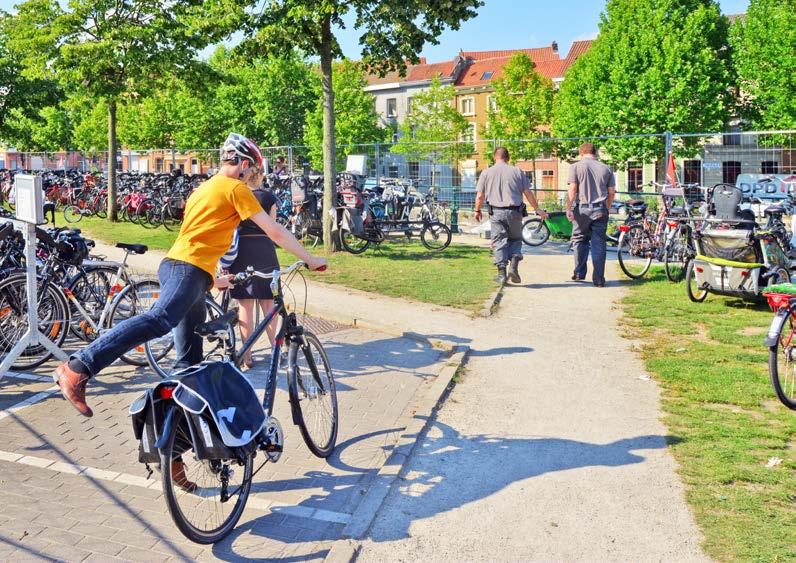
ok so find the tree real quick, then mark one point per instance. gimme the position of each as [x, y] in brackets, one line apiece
[434, 128]
[356, 121]
[523, 106]
[393, 32]
[764, 52]
[108, 50]
[21, 99]
[656, 65]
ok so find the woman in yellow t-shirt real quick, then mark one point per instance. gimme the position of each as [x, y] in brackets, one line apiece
[213, 212]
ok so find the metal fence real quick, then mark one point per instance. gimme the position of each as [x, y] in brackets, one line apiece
[760, 162]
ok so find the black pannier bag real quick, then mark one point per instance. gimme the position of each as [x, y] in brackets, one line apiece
[221, 412]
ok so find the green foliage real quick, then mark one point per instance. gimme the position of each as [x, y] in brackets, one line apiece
[657, 65]
[22, 99]
[764, 52]
[524, 104]
[434, 127]
[356, 120]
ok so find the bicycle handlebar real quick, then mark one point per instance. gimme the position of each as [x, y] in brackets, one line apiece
[274, 276]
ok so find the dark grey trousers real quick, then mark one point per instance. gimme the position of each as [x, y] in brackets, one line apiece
[590, 231]
[506, 228]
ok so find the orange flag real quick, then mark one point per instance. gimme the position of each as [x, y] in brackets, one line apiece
[671, 172]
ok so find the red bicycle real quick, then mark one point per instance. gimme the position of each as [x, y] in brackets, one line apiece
[781, 342]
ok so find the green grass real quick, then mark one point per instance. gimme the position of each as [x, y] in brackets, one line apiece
[723, 417]
[123, 231]
[460, 276]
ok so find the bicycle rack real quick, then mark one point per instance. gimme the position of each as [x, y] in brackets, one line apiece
[32, 336]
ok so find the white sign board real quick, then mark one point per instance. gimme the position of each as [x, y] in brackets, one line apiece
[767, 186]
[29, 198]
[357, 163]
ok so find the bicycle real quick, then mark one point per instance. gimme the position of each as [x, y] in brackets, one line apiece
[202, 514]
[781, 343]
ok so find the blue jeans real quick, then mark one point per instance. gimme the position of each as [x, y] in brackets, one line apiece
[589, 230]
[180, 306]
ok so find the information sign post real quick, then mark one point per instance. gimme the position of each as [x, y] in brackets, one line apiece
[30, 212]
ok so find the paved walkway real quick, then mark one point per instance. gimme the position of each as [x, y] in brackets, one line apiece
[550, 448]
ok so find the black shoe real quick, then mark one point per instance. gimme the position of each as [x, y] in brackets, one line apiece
[599, 284]
[577, 279]
[500, 278]
[513, 272]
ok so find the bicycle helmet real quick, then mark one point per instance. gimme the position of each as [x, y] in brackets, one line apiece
[237, 147]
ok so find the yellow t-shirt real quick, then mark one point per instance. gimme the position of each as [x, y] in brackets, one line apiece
[212, 213]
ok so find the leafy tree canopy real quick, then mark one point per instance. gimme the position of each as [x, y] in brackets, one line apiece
[356, 120]
[657, 65]
[764, 51]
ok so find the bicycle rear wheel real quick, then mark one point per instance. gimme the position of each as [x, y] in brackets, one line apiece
[353, 243]
[634, 251]
[782, 364]
[53, 320]
[204, 515]
[435, 236]
[313, 395]
[678, 253]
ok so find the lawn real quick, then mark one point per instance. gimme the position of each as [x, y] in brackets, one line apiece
[723, 416]
[460, 276]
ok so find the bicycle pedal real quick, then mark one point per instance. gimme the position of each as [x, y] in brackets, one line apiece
[273, 439]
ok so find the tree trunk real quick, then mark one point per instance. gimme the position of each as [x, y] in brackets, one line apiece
[112, 207]
[329, 156]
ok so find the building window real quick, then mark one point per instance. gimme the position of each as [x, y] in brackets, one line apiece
[392, 107]
[487, 75]
[491, 103]
[395, 137]
[692, 171]
[547, 179]
[469, 134]
[467, 106]
[769, 167]
[159, 165]
[531, 180]
[409, 105]
[730, 170]
[414, 170]
[635, 177]
[731, 139]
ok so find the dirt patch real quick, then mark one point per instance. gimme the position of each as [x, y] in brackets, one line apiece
[753, 331]
[735, 409]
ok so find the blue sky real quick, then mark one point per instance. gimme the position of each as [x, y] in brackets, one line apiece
[514, 24]
[509, 24]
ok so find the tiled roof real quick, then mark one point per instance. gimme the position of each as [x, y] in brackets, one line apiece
[474, 75]
[536, 54]
[578, 48]
[736, 17]
[416, 73]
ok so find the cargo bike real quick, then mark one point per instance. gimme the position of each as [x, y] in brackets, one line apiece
[734, 257]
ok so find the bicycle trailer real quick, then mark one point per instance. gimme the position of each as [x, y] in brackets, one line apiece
[559, 225]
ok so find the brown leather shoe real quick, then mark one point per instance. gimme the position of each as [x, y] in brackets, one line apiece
[179, 478]
[73, 388]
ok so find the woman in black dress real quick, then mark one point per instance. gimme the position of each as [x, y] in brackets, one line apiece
[257, 250]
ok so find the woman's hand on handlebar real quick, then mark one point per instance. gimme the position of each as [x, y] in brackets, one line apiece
[316, 263]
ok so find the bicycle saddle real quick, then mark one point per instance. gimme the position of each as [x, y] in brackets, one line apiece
[137, 248]
[221, 324]
[777, 209]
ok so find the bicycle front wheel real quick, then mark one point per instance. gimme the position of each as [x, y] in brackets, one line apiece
[313, 395]
[634, 251]
[135, 299]
[353, 243]
[535, 232]
[161, 354]
[678, 253]
[782, 364]
[73, 214]
[208, 512]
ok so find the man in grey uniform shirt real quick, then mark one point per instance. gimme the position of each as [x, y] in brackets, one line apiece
[502, 187]
[590, 195]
